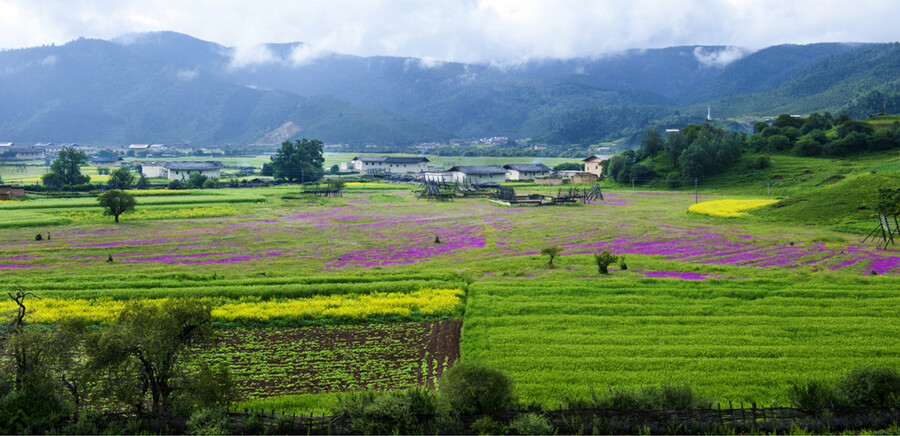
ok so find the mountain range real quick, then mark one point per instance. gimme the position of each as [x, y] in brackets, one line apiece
[168, 87]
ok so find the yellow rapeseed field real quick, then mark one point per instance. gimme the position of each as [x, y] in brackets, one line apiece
[727, 208]
[103, 310]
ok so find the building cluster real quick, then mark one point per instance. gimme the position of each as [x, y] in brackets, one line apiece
[420, 167]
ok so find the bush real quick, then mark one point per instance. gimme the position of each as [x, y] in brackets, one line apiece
[487, 426]
[870, 387]
[811, 395]
[471, 387]
[760, 163]
[388, 412]
[176, 184]
[208, 422]
[807, 147]
[603, 261]
[531, 423]
[210, 183]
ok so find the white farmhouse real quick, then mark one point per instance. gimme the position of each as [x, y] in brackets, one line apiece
[183, 170]
[478, 175]
[390, 164]
[526, 171]
[152, 170]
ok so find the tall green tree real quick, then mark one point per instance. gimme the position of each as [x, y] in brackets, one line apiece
[121, 178]
[115, 202]
[68, 165]
[299, 161]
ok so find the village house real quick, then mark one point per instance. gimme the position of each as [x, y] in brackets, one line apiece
[153, 170]
[183, 170]
[478, 175]
[23, 152]
[592, 164]
[8, 192]
[389, 164]
[526, 172]
[106, 161]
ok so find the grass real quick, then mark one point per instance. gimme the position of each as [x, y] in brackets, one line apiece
[301, 404]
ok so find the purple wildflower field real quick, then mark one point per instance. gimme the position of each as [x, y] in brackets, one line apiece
[359, 234]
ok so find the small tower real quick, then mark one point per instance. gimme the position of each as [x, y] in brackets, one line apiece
[708, 113]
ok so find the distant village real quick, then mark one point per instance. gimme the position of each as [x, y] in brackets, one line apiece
[411, 168]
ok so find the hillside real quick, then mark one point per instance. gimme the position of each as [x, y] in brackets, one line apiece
[93, 91]
[170, 87]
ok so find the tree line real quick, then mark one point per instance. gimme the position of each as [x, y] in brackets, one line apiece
[822, 135]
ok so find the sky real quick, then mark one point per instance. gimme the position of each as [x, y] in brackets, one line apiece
[484, 31]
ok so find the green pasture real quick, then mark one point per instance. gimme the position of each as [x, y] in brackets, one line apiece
[741, 333]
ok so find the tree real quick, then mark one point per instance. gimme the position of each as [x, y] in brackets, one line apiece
[150, 341]
[603, 261]
[569, 166]
[651, 144]
[116, 202]
[142, 182]
[121, 178]
[68, 166]
[299, 161]
[334, 169]
[551, 251]
[196, 180]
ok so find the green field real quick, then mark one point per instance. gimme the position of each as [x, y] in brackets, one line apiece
[736, 308]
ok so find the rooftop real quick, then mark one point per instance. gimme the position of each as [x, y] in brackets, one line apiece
[487, 169]
[188, 166]
[393, 159]
[528, 168]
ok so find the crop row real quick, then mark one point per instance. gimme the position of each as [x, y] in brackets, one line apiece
[25, 218]
[269, 362]
[421, 303]
[563, 341]
[121, 285]
[154, 213]
[153, 200]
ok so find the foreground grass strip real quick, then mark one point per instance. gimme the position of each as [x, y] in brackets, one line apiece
[424, 302]
[727, 208]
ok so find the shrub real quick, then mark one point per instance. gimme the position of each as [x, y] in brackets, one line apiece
[210, 183]
[807, 147]
[471, 387]
[38, 237]
[487, 426]
[531, 423]
[388, 412]
[622, 265]
[603, 261]
[813, 394]
[870, 387]
[208, 422]
[760, 163]
[176, 184]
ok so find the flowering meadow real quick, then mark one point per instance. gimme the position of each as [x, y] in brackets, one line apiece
[728, 208]
[736, 308]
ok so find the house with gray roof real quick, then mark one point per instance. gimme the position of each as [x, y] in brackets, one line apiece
[478, 175]
[183, 170]
[389, 164]
[526, 172]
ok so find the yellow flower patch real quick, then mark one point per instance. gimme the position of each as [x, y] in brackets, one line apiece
[727, 208]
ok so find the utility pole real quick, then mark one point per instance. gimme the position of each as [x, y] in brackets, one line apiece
[696, 194]
[769, 190]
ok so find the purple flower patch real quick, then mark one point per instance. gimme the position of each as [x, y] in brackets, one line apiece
[677, 275]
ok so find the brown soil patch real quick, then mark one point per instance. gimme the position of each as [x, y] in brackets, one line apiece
[833, 180]
[807, 172]
[270, 362]
[777, 178]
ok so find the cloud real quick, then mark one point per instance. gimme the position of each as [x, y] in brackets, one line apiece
[504, 32]
[719, 57]
[49, 60]
[187, 75]
[247, 56]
